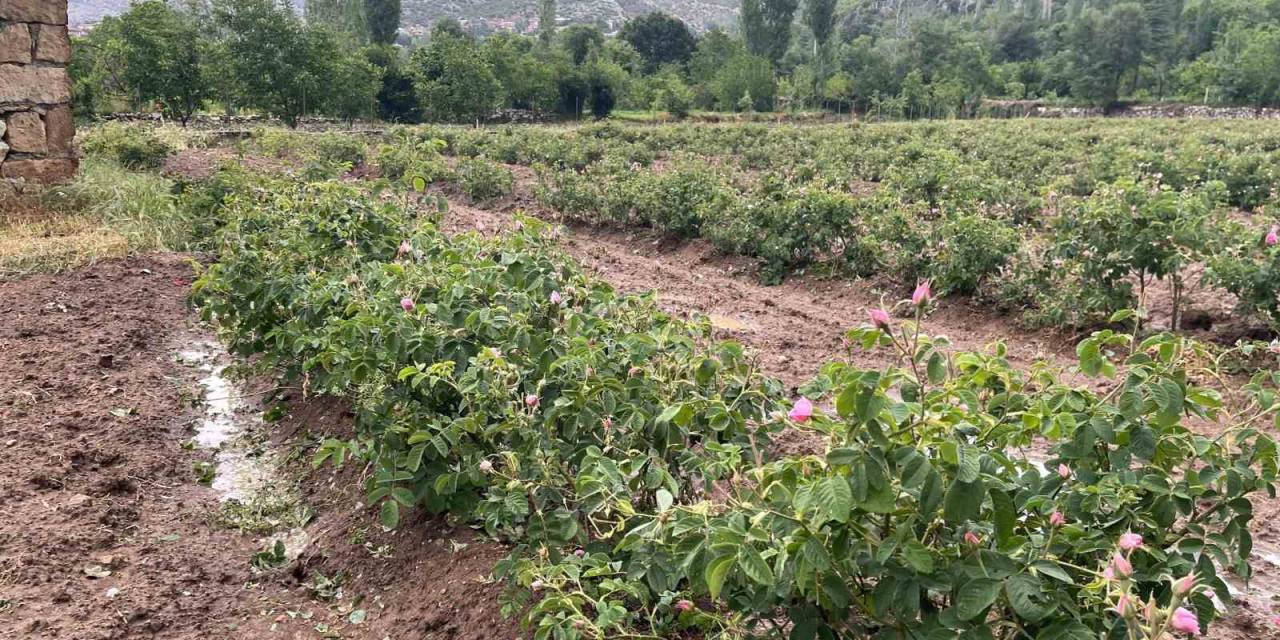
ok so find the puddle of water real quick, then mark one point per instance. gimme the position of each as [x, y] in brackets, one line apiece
[244, 473]
[726, 323]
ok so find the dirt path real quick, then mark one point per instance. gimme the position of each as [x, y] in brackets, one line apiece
[105, 530]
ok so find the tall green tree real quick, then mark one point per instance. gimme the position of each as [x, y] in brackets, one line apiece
[161, 58]
[546, 20]
[659, 39]
[766, 26]
[281, 67]
[454, 80]
[820, 17]
[383, 18]
[345, 18]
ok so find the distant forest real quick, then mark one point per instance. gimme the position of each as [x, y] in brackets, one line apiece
[894, 58]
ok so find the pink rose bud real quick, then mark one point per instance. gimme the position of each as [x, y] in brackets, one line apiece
[972, 538]
[802, 410]
[531, 400]
[1185, 621]
[579, 553]
[1186, 584]
[1123, 568]
[1064, 471]
[633, 372]
[536, 585]
[1124, 606]
[879, 318]
[922, 294]
[683, 606]
[406, 304]
[1057, 519]
[607, 423]
[555, 297]
[486, 466]
[1130, 541]
[1272, 238]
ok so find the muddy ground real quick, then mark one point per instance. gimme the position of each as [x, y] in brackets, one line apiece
[107, 532]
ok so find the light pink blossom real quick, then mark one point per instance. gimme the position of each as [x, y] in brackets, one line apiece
[1130, 541]
[486, 466]
[406, 304]
[1057, 519]
[1122, 566]
[880, 318]
[405, 248]
[1272, 238]
[972, 538]
[1064, 471]
[531, 400]
[1185, 621]
[1124, 605]
[555, 297]
[802, 410]
[1184, 585]
[683, 606]
[922, 294]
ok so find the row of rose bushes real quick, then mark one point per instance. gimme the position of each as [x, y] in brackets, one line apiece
[1061, 259]
[628, 458]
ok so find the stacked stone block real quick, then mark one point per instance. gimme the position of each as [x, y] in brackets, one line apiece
[36, 126]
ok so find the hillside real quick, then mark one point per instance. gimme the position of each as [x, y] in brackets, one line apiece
[492, 15]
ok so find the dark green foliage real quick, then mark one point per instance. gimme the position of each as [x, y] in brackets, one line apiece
[659, 39]
[383, 19]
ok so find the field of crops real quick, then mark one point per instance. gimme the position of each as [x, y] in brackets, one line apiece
[930, 380]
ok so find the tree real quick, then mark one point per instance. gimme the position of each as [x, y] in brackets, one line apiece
[280, 66]
[659, 39]
[355, 86]
[454, 80]
[546, 20]
[766, 26]
[527, 76]
[820, 17]
[344, 18]
[578, 40]
[383, 18]
[161, 59]
[397, 97]
[745, 75]
[1101, 48]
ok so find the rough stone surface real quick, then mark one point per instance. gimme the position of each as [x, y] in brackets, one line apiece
[45, 11]
[60, 129]
[15, 43]
[39, 85]
[45, 171]
[26, 133]
[53, 44]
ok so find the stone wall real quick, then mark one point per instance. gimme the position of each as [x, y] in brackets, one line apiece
[36, 127]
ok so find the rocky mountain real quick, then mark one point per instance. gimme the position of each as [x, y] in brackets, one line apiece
[497, 15]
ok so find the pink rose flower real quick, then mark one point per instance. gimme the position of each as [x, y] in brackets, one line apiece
[1272, 238]
[1064, 471]
[879, 318]
[1057, 519]
[555, 297]
[1122, 566]
[531, 400]
[1185, 621]
[1130, 541]
[922, 295]
[972, 538]
[406, 304]
[802, 410]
